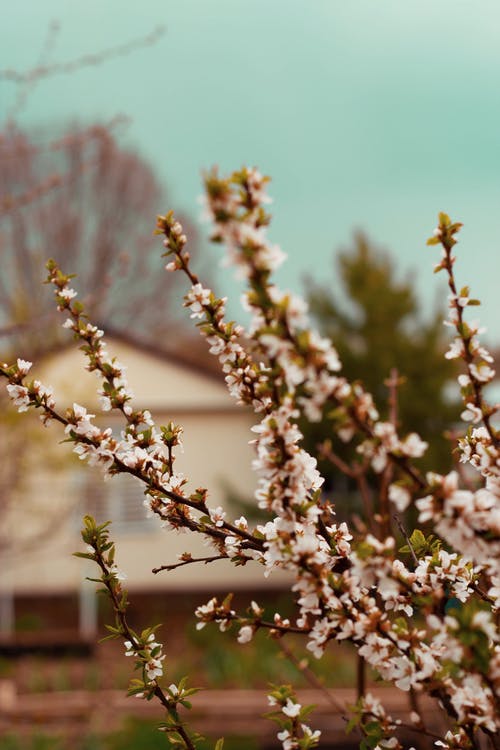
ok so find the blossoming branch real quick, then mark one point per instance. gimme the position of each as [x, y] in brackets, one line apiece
[420, 608]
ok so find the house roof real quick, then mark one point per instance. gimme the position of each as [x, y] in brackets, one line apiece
[190, 352]
[186, 378]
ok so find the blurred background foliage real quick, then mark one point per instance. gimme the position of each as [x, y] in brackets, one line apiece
[378, 327]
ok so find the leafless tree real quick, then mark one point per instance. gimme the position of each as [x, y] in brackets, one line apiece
[76, 195]
[88, 203]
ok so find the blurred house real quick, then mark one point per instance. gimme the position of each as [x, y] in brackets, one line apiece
[217, 455]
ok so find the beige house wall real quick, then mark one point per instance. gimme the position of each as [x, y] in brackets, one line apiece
[217, 455]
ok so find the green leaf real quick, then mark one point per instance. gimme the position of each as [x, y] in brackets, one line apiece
[84, 555]
[109, 638]
[417, 538]
[351, 724]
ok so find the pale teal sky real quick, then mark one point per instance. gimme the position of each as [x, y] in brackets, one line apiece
[370, 113]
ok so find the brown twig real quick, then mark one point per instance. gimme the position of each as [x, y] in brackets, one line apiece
[204, 560]
[126, 633]
[392, 384]
[96, 58]
[312, 678]
[407, 538]
[360, 677]
[355, 472]
[469, 355]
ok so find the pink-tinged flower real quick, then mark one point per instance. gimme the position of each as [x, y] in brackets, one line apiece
[454, 741]
[19, 395]
[246, 634]
[388, 743]
[105, 403]
[480, 352]
[375, 650]
[79, 422]
[23, 366]
[217, 515]
[473, 703]
[403, 673]
[152, 664]
[472, 414]
[400, 496]
[288, 742]
[197, 299]
[154, 668]
[66, 293]
[482, 372]
[206, 612]
[311, 735]
[413, 445]
[456, 349]
[453, 318]
[44, 394]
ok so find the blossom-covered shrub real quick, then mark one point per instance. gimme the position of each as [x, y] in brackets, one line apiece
[420, 608]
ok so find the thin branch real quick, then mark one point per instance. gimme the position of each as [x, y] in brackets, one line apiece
[469, 354]
[27, 86]
[358, 473]
[315, 682]
[312, 678]
[119, 611]
[392, 384]
[413, 699]
[204, 560]
[96, 58]
[360, 677]
[407, 538]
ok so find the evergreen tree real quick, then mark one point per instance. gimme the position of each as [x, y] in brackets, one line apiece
[379, 328]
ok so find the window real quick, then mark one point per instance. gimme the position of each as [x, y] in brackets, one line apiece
[119, 500]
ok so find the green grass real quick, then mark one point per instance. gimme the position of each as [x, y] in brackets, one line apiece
[219, 661]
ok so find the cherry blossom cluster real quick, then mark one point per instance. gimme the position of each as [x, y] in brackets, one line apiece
[151, 655]
[300, 376]
[33, 394]
[286, 711]
[377, 725]
[421, 614]
[468, 520]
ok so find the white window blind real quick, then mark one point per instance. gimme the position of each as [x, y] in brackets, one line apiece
[119, 500]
